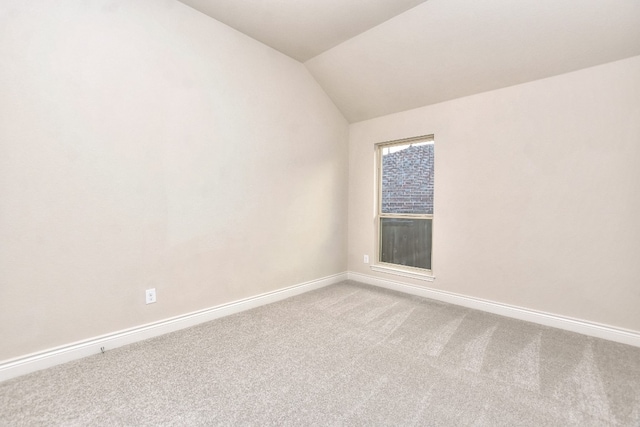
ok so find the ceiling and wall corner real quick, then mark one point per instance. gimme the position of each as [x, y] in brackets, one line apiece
[385, 56]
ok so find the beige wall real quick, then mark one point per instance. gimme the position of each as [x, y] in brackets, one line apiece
[142, 145]
[537, 198]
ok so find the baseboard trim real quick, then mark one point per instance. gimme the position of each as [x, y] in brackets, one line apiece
[36, 361]
[597, 330]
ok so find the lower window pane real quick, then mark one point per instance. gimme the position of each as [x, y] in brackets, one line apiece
[406, 242]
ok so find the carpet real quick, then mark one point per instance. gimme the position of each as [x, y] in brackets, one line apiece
[347, 354]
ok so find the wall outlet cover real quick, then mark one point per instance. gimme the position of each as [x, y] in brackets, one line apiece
[150, 295]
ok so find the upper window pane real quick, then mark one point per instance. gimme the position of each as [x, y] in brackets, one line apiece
[407, 178]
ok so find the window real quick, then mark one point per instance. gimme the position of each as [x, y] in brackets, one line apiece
[405, 203]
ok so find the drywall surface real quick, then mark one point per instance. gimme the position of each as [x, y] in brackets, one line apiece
[442, 50]
[536, 193]
[145, 145]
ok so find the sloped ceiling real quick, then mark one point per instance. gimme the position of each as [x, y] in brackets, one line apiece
[405, 57]
[302, 29]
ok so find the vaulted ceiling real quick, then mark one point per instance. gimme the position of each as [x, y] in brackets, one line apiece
[377, 57]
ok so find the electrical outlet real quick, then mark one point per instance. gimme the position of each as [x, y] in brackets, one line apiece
[150, 295]
[366, 259]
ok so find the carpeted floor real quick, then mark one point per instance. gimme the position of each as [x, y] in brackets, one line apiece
[347, 354]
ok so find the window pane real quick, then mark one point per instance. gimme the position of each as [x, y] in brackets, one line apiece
[406, 242]
[407, 178]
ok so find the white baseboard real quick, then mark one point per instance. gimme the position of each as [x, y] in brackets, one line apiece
[597, 330]
[55, 356]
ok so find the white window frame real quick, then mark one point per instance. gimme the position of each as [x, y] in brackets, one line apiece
[384, 267]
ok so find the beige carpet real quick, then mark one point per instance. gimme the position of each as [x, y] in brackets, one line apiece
[347, 354]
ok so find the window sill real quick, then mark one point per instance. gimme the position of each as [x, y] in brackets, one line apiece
[403, 272]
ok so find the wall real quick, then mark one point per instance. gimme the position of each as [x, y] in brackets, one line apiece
[143, 144]
[536, 193]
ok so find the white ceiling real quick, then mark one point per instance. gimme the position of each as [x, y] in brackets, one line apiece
[376, 57]
[302, 29]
